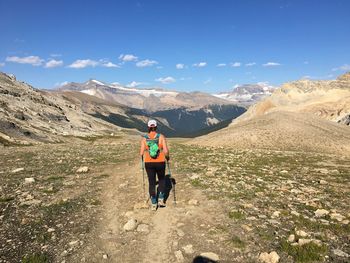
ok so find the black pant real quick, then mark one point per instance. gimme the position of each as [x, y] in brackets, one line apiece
[152, 170]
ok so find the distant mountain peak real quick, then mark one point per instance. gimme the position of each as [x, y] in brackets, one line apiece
[94, 81]
[247, 94]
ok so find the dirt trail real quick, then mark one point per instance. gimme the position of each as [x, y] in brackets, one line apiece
[166, 231]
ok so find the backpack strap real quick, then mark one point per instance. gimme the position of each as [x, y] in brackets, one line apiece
[148, 139]
[155, 138]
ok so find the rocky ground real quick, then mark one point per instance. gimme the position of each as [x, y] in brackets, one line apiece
[293, 203]
[84, 202]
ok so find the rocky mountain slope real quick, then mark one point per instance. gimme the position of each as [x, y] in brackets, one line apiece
[327, 99]
[281, 130]
[300, 116]
[151, 99]
[28, 115]
[247, 94]
[31, 115]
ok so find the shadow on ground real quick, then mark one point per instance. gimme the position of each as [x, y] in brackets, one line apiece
[200, 259]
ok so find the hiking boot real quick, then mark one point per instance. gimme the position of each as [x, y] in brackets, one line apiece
[154, 203]
[154, 207]
[161, 202]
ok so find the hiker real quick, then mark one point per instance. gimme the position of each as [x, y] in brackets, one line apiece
[154, 152]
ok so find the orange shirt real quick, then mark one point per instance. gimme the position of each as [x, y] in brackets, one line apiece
[147, 158]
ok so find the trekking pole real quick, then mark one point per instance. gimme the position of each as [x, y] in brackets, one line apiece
[143, 176]
[172, 184]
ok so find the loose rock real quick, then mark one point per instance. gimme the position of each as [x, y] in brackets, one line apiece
[179, 256]
[303, 241]
[83, 169]
[340, 253]
[271, 257]
[17, 170]
[276, 214]
[188, 249]
[321, 212]
[130, 225]
[338, 217]
[291, 238]
[142, 228]
[301, 233]
[323, 182]
[29, 180]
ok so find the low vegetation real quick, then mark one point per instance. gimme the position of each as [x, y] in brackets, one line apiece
[272, 194]
[54, 213]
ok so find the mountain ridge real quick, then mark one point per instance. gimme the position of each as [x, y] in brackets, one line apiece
[29, 115]
[150, 99]
[300, 116]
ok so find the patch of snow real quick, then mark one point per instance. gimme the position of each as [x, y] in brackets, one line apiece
[146, 92]
[211, 121]
[91, 92]
[98, 82]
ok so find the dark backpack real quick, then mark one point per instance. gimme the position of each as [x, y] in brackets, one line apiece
[153, 146]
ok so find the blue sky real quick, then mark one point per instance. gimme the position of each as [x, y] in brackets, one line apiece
[185, 45]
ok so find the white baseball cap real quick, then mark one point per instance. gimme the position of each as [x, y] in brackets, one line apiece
[152, 123]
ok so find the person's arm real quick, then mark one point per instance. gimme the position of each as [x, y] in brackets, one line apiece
[142, 148]
[165, 148]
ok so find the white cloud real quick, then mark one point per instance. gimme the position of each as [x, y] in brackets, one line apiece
[109, 64]
[200, 64]
[166, 80]
[128, 57]
[344, 67]
[236, 64]
[180, 66]
[250, 64]
[306, 77]
[52, 63]
[2, 64]
[58, 84]
[33, 60]
[271, 64]
[221, 65]
[55, 55]
[146, 63]
[134, 84]
[83, 63]
[207, 81]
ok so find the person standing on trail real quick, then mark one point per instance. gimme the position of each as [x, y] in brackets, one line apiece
[154, 152]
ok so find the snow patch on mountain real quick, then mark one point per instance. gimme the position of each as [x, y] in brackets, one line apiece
[91, 92]
[145, 92]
